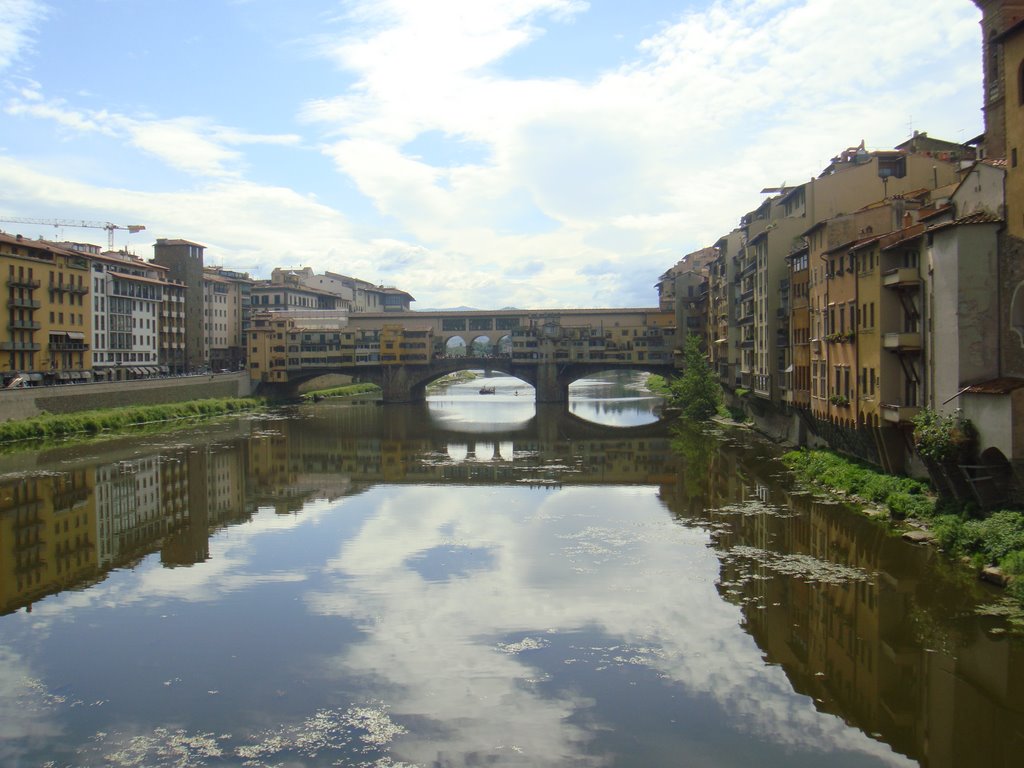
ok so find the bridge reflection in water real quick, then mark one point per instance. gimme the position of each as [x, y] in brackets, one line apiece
[869, 628]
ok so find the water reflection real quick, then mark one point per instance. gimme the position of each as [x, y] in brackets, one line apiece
[376, 582]
[618, 399]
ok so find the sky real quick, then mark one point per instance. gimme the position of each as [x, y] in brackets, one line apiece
[484, 153]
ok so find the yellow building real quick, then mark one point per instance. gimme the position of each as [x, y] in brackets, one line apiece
[279, 342]
[49, 313]
[48, 533]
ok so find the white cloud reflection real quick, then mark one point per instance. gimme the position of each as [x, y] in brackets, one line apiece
[566, 565]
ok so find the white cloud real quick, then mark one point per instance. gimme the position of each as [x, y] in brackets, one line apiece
[670, 148]
[556, 570]
[18, 20]
[634, 165]
[241, 222]
[190, 144]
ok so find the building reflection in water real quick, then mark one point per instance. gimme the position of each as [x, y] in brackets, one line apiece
[890, 643]
[879, 632]
[67, 528]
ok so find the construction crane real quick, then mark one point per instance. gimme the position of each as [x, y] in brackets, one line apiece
[132, 228]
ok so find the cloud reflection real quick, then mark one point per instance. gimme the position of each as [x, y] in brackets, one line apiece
[587, 560]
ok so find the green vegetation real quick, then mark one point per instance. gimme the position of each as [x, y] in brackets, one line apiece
[110, 419]
[941, 438]
[659, 385]
[348, 390]
[697, 392]
[452, 378]
[902, 496]
[997, 539]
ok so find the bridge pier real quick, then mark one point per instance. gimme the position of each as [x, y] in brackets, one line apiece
[549, 388]
[397, 386]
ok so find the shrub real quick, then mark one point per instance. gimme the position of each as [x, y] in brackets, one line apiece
[948, 530]
[902, 505]
[942, 438]
[1013, 563]
[996, 536]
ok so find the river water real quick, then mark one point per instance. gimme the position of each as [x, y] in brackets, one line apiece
[477, 581]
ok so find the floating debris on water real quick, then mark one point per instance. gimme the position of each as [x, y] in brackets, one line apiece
[526, 644]
[356, 736]
[801, 566]
[753, 507]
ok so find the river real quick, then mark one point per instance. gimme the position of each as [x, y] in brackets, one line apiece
[478, 581]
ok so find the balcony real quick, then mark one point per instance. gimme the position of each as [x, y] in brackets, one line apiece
[68, 345]
[19, 346]
[899, 414]
[902, 342]
[24, 303]
[24, 325]
[905, 277]
[68, 288]
[21, 282]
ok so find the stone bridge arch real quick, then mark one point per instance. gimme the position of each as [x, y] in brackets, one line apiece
[408, 383]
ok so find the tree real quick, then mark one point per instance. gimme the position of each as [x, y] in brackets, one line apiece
[697, 391]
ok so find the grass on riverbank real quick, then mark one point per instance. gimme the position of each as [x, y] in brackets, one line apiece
[348, 390]
[93, 422]
[902, 496]
[995, 540]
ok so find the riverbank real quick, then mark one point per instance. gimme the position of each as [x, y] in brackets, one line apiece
[110, 420]
[20, 404]
[348, 390]
[992, 546]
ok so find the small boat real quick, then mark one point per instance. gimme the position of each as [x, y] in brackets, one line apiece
[486, 390]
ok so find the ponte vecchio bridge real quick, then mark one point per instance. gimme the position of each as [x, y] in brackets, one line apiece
[403, 352]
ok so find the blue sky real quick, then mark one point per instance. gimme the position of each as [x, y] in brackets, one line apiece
[532, 153]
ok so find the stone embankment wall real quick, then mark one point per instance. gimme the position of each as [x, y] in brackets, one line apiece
[67, 398]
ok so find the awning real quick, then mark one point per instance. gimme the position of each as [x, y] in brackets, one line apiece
[87, 375]
[76, 336]
[62, 376]
[35, 377]
[164, 369]
[789, 369]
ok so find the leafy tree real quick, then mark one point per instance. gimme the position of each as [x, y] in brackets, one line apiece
[697, 391]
